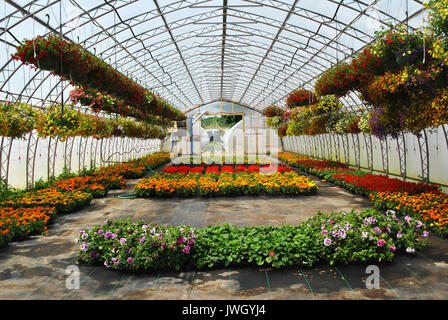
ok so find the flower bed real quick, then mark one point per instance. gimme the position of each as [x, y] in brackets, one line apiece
[354, 180]
[64, 202]
[371, 183]
[135, 169]
[430, 207]
[87, 184]
[225, 168]
[345, 238]
[223, 181]
[23, 213]
[21, 222]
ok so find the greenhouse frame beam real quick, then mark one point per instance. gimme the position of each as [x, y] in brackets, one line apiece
[334, 39]
[270, 48]
[223, 44]
[177, 48]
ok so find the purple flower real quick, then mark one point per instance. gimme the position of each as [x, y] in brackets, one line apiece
[128, 250]
[369, 220]
[377, 230]
[107, 264]
[108, 235]
[94, 255]
[163, 246]
[142, 240]
[114, 236]
[115, 261]
[84, 236]
[399, 235]
[130, 260]
[407, 219]
[325, 232]
[335, 234]
[425, 234]
[190, 243]
[392, 248]
[327, 242]
[122, 241]
[85, 246]
[386, 229]
[331, 221]
[101, 232]
[186, 250]
[418, 224]
[181, 240]
[380, 242]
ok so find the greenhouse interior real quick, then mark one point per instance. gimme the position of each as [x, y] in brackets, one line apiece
[224, 150]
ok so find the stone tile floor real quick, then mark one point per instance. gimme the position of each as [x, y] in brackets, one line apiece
[36, 268]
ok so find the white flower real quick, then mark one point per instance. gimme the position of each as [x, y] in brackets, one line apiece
[410, 250]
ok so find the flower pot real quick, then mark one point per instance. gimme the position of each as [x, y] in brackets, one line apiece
[401, 60]
[78, 77]
[48, 63]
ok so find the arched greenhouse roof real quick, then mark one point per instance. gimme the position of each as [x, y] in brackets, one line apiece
[195, 52]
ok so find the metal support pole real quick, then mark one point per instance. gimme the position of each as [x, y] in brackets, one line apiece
[31, 151]
[6, 145]
[424, 156]
[401, 146]
[52, 149]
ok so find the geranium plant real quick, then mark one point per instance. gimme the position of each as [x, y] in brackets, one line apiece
[300, 97]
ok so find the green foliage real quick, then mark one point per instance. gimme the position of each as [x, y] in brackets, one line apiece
[345, 237]
[221, 122]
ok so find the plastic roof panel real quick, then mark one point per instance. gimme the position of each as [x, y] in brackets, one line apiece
[197, 51]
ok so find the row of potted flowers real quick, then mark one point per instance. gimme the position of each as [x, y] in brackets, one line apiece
[355, 180]
[210, 184]
[225, 168]
[402, 75]
[18, 119]
[157, 111]
[29, 212]
[322, 116]
[72, 62]
[345, 237]
[17, 223]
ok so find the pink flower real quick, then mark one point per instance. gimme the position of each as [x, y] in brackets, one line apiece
[381, 243]
[272, 253]
[186, 250]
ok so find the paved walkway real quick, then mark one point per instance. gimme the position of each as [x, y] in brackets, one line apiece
[35, 268]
